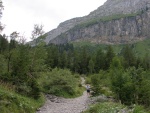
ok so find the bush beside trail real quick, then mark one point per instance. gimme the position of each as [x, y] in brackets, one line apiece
[60, 82]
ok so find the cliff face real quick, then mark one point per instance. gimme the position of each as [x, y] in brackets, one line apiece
[116, 30]
[123, 30]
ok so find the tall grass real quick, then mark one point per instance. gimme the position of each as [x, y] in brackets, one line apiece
[11, 102]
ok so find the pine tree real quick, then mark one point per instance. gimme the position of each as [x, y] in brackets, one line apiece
[99, 60]
[91, 66]
[3, 43]
[146, 62]
[109, 56]
[129, 57]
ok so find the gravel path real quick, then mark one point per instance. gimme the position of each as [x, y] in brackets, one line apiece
[61, 105]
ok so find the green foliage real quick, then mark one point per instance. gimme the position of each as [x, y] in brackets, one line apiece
[35, 90]
[105, 107]
[14, 103]
[130, 86]
[146, 62]
[52, 56]
[88, 80]
[109, 56]
[116, 64]
[13, 44]
[139, 48]
[99, 60]
[20, 63]
[122, 87]
[91, 66]
[78, 58]
[37, 56]
[60, 82]
[3, 65]
[21, 66]
[33, 70]
[139, 109]
[129, 57]
[95, 80]
[3, 44]
[142, 47]
[145, 91]
[100, 83]
[23, 70]
[111, 107]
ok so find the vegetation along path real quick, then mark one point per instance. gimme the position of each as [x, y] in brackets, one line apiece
[61, 105]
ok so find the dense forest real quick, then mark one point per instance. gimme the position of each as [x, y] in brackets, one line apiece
[23, 67]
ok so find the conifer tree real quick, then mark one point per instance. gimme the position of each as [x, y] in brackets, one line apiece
[109, 56]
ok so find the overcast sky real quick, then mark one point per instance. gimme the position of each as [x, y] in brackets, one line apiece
[21, 15]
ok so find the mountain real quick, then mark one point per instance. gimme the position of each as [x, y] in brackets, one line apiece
[115, 22]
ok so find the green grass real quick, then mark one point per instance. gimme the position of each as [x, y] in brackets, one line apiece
[11, 102]
[105, 107]
[112, 107]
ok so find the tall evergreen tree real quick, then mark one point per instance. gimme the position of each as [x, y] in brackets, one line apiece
[53, 56]
[91, 66]
[20, 63]
[129, 57]
[84, 60]
[109, 56]
[3, 43]
[99, 60]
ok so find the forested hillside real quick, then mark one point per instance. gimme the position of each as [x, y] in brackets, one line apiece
[31, 71]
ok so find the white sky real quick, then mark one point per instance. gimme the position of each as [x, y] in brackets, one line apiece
[21, 15]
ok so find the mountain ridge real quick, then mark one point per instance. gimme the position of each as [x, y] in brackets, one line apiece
[110, 7]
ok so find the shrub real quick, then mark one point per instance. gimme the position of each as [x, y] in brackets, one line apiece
[59, 82]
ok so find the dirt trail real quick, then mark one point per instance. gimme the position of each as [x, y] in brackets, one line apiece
[61, 105]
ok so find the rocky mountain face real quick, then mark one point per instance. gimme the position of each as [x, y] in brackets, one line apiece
[117, 21]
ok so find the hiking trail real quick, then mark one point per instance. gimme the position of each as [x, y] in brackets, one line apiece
[56, 104]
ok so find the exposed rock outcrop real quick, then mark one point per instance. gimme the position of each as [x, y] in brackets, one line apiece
[117, 30]
[123, 30]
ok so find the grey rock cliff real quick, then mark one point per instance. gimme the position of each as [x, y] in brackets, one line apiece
[115, 31]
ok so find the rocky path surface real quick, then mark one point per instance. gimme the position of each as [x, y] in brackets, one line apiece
[56, 104]
[61, 105]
